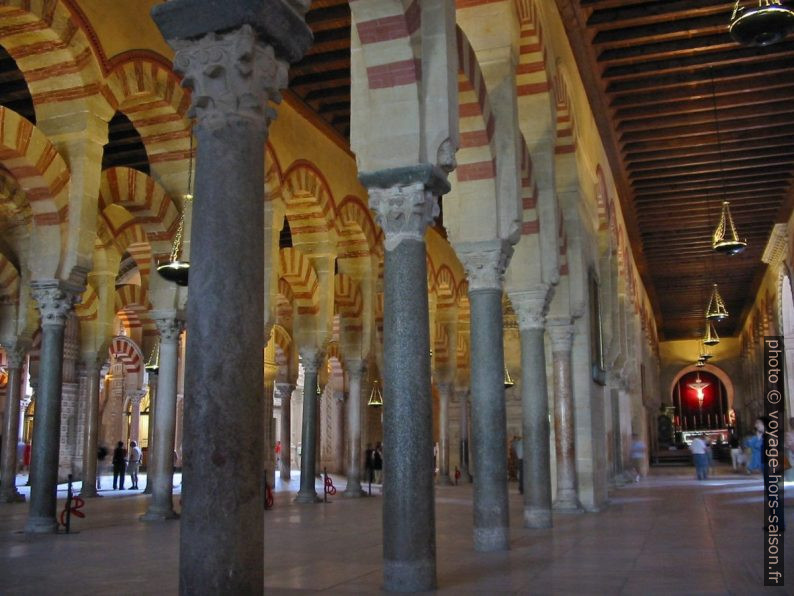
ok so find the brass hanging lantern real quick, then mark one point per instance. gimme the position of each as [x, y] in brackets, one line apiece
[174, 269]
[375, 397]
[760, 22]
[716, 310]
[508, 380]
[710, 338]
[152, 365]
[725, 239]
[704, 354]
[700, 363]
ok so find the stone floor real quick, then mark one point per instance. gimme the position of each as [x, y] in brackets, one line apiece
[667, 534]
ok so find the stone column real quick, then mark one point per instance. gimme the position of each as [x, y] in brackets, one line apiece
[355, 370]
[55, 305]
[234, 56]
[444, 391]
[92, 366]
[465, 474]
[135, 416]
[285, 392]
[311, 358]
[531, 310]
[561, 334]
[161, 505]
[485, 264]
[8, 472]
[150, 459]
[404, 203]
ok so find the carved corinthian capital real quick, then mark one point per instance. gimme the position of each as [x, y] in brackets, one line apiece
[54, 304]
[485, 263]
[404, 212]
[311, 358]
[233, 77]
[561, 335]
[531, 306]
[169, 328]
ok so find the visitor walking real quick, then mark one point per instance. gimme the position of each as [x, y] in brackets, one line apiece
[755, 442]
[377, 463]
[638, 456]
[518, 449]
[101, 458]
[134, 463]
[700, 457]
[369, 463]
[119, 465]
[736, 451]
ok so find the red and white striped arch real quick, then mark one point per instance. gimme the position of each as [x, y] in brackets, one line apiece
[9, 281]
[36, 166]
[309, 203]
[52, 51]
[530, 222]
[566, 131]
[131, 306]
[357, 233]
[531, 77]
[88, 307]
[446, 288]
[347, 300]
[299, 273]
[126, 351]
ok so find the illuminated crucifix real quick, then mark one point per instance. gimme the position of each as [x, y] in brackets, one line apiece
[699, 386]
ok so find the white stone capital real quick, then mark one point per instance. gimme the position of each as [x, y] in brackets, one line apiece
[561, 335]
[15, 355]
[355, 367]
[485, 263]
[169, 328]
[284, 389]
[233, 76]
[54, 302]
[311, 358]
[531, 306]
[403, 212]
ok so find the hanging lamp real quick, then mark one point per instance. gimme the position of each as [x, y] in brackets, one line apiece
[700, 363]
[725, 239]
[716, 310]
[760, 22]
[508, 380]
[176, 270]
[704, 354]
[375, 397]
[710, 338]
[153, 363]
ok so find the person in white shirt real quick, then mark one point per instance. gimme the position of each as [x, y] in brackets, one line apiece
[700, 455]
[134, 463]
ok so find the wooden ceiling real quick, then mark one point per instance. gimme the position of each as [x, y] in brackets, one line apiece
[322, 78]
[689, 118]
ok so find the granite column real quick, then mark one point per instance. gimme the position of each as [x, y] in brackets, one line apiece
[15, 356]
[55, 305]
[485, 264]
[561, 334]
[531, 310]
[311, 358]
[161, 505]
[285, 392]
[355, 370]
[465, 474]
[92, 366]
[150, 459]
[444, 391]
[404, 202]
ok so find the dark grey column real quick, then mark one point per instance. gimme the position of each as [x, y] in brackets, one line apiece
[404, 203]
[561, 334]
[233, 76]
[465, 474]
[355, 370]
[531, 309]
[485, 264]
[150, 459]
[311, 358]
[161, 504]
[285, 391]
[8, 473]
[444, 391]
[92, 367]
[55, 305]
[617, 442]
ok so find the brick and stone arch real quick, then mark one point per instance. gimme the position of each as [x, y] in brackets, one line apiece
[297, 271]
[309, 205]
[9, 281]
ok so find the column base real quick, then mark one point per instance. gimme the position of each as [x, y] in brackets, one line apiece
[41, 525]
[12, 497]
[354, 492]
[158, 516]
[487, 540]
[568, 506]
[444, 480]
[305, 498]
[409, 576]
[89, 493]
[147, 490]
[537, 518]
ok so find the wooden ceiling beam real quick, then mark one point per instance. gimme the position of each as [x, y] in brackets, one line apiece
[652, 12]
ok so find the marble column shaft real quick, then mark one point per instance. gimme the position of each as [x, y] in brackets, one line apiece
[55, 305]
[404, 210]
[355, 370]
[150, 459]
[489, 426]
[465, 474]
[92, 369]
[561, 340]
[285, 391]
[161, 505]
[8, 472]
[311, 358]
[444, 390]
